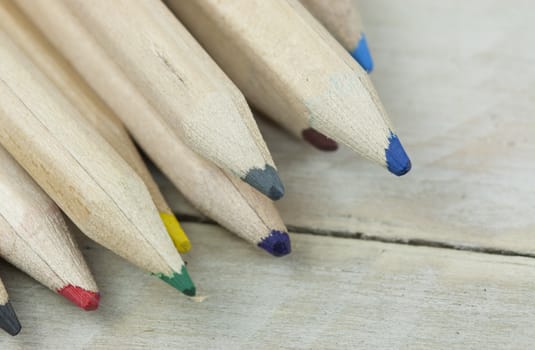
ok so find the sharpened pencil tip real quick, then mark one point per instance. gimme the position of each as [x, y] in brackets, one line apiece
[362, 54]
[267, 181]
[397, 160]
[181, 281]
[82, 298]
[177, 234]
[277, 243]
[319, 140]
[8, 319]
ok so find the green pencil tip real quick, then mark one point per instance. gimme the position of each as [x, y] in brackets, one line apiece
[180, 281]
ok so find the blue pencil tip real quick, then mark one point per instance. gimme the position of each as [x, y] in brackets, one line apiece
[397, 160]
[277, 243]
[362, 54]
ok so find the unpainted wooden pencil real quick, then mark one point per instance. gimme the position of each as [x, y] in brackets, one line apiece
[291, 69]
[34, 237]
[80, 171]
[342, 19]
[63, 75]
[217, 194]
[199, 103]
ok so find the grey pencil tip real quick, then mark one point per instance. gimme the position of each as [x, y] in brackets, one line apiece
[267, 181]
[8, 319]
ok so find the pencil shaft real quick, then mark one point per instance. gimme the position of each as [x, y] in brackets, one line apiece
[34, 236]
[61, 73]
[302, 77]
[169, 67]
[342, 19]
[217, 194]
[78, 169]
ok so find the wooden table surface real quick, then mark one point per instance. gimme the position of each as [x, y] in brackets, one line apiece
[441, 258]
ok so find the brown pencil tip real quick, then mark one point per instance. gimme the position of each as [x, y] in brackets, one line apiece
[319, 140]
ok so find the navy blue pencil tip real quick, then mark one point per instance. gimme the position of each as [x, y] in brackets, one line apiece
[277, 243]
[397, 160]
[362, 54]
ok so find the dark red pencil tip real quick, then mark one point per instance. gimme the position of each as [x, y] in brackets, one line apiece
[85, 299]
[319, 140]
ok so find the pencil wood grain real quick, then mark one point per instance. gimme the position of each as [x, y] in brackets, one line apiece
[199, 103]
[78, 169]
[290, 68]
[341, 18]
[63, 75]
[233, 204]
[34, 236]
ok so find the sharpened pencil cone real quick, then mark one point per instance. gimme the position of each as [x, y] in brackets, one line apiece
[180, 281]
[8, 319]
[362, 54]
[319, 140]
[266, 181]
[82, 298]
[397, 160]
[277, 243]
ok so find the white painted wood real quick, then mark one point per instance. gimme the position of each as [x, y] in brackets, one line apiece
[75, 166]
[357, 295]
[464, 105]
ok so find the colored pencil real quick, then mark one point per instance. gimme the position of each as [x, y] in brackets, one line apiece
[80, 171]
[34, 237]
[342, 19]
[219, 195]
[171, 69]
[291, 69]
[9, 321]
[230, 202]
[60, 72]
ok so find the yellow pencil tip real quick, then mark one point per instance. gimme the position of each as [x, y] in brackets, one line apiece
[180, 240]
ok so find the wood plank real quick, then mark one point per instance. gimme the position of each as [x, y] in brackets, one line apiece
[458, 90]
[331, 293]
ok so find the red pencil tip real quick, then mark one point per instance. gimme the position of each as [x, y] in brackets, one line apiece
[85, 299]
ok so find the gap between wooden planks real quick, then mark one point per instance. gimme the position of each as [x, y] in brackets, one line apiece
[456, 89]
[331, 293]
